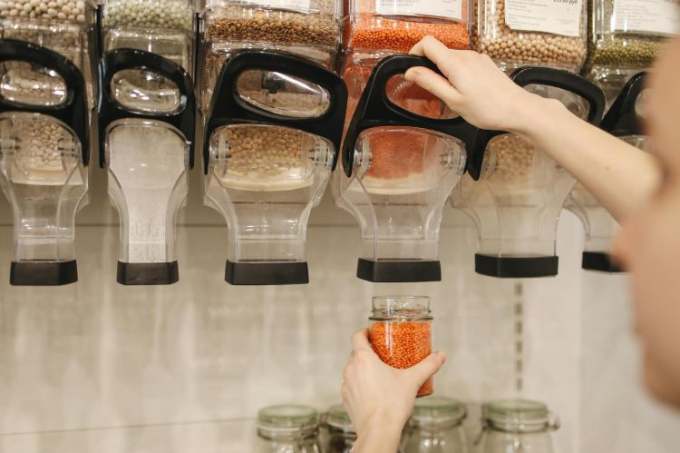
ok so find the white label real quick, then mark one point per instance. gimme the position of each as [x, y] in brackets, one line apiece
[303, 6]
[446, 9]
[647, 16]
[558, 17]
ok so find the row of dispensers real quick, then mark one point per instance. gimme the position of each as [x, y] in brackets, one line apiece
[274, 134]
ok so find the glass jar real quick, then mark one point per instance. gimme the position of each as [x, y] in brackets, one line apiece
[401, 332]
[514, 426]
[436, 426]
[308, 28]
[162, 27]
[289, 429]
[516, 34]
[341, 434]
[625, 39]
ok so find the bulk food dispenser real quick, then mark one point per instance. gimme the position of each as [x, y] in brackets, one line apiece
[147, 124]
[625, 39]
[146, 130]
[272, 138]
[517, 200]
[162, 27]
[623, 120]
[307, 28]
[45, 85]
[400, 168]
[375, 29]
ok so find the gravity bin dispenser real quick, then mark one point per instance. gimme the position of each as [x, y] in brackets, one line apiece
[402, 158]
[520, 192]
[272, 136]
[44, 147]
[623, 120]
[147, 114]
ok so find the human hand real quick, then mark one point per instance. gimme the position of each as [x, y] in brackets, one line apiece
[474, 87]
[377, 396]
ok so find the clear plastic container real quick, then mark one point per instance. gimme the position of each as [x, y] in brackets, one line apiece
[396, 179]
[516, 203]
[625, 39]
[340, 432]
[517, 34]
[148, 164]
[289, 429]
[436, 426]
[401, 332]
[401, 181]
[162, 27]
[517, 426]
[65, 26]
[266, 175]
[382, 27]
[308, 28]
[43, 176]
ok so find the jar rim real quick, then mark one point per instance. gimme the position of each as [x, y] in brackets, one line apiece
[401, 307]
[287, 420]
[436, 412]
[518, 416]
[338, 418]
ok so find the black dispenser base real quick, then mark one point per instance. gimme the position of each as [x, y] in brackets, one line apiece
[601, 262]
[43, 273]
[262, 273]
[148, 274]
[517, 267]
[399, 271]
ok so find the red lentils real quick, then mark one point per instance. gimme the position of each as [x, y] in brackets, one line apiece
[401, 333]
[367, 30]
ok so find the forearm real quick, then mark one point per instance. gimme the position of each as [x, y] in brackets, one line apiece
[379, 438]
[619, 175]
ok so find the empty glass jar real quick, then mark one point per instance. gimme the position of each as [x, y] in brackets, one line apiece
[288, 429]
[436, 426]
[401, 332]
[341, 434]
[514, 426]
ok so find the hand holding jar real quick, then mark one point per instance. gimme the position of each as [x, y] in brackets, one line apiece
[380, 398]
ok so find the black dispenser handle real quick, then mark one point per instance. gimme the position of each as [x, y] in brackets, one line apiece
[534, 75]
[110, 110]
[622, 119]
[73, 111]
[227, 107]
[375, 109]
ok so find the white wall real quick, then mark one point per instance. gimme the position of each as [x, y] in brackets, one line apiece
[184, 368]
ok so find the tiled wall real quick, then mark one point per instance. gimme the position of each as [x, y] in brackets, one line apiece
[97, 366]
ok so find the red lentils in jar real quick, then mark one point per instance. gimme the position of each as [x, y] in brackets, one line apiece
[401, 332]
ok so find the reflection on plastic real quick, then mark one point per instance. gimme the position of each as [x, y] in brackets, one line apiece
[27, 84]
[146, 91]
[283, 94]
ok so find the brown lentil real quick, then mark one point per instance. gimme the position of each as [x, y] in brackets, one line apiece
[509, 159]
[231, 25]
[511, 49]
[265, 153]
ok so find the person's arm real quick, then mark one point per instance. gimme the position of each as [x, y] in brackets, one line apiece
[379, 399]
[619, 175]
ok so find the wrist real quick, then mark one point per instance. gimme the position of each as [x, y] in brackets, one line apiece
[536, 116]
[383, 421]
